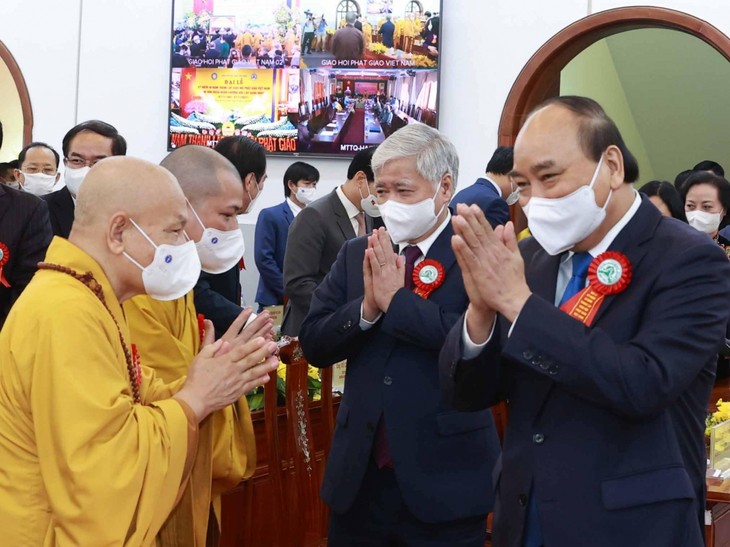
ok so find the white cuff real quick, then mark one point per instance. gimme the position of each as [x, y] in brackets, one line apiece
[471, 349]
[364, 323]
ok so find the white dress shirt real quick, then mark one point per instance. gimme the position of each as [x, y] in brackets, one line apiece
[295, 209]
[496, 186]
[565, 272]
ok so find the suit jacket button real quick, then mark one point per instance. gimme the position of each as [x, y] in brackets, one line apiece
[544, 365]
[528, 355]
[538, 438]
[553, 369]
[348, 324]
[523, 500]
[387, 380]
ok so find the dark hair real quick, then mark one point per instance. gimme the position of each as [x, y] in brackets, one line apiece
[247, 155]
[119, 145]
[680, 178]
[24, 151]
[361, 162]
[6, 169]
[299, 171]
[501, 162]
[246, 51]
[596, 131]
[708, 177]
[709, 165]
[666, 191]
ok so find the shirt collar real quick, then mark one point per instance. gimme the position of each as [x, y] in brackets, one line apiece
[350, 208]
[605, 243]
[496, 186]
[295, 209]
[426, 244]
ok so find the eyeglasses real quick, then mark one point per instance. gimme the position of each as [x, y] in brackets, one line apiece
[78, 163]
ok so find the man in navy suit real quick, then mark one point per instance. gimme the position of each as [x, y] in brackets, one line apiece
[494, 192]
[272, 229]
[83, 146]
[602, 332]
[404, 468]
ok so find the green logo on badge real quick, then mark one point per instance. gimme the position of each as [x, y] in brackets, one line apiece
[609, 272]
[428, 274]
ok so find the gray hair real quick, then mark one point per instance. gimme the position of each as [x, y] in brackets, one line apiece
[351, 17]
[435, 154]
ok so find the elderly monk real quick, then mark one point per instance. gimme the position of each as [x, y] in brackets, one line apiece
[96, 450]
[168, 335]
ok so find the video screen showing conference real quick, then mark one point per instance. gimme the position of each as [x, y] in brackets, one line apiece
[309, 77]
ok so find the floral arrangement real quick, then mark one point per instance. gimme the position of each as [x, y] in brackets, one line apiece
[377, 47]
[722, 414]
[423, 61]
[314, 388]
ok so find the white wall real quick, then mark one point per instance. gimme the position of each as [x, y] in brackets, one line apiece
[109, 59]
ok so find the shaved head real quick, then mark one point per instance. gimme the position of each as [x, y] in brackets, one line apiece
[122, 183]
[200, 171]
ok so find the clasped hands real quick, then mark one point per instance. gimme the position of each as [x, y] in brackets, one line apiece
[226, 369]
[492, 269]
[383, 274]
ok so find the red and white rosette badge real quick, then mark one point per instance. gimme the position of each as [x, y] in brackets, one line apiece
[428, 276]
[4, 257]
[608, 274]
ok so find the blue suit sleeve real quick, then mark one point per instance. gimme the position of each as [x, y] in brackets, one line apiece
[265, 251]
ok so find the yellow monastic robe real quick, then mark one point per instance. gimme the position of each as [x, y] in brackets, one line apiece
[367, 32]
[167, 336]
[82, 464]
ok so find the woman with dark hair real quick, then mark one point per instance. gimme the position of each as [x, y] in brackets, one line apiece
[706, 203]
[665, 197]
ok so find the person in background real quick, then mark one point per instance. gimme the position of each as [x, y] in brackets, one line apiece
[387, 30]
[218, 296]
[308, 33]
[706, 199]
[680, 178]
[320, 34]
[348, 42]
[318, 233]
[95, 449]
[245, 60]
[7, 174]
[37, 170]
[602, 331]
[168, 334]
[495, 191]
[83, 146]
[665, 197]
[272, 231]
[405, 468]
[709, 165]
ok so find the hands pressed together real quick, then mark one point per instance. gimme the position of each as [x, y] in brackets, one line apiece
[492, 268]
[383, 274]
[226, 369]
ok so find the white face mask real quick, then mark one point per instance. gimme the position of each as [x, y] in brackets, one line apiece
[704, 221]
[306, 195]
[408, 221]
[559, 224]
[38, 184]
[369, 204]
[74, 178]
[218, 250]
[514, 195]
[252, 200]
[173, 272]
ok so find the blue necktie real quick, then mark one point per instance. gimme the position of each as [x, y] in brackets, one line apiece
[581, 261]
[577, 282]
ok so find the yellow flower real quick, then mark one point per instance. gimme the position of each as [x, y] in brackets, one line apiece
[281, 371]
[313, 372]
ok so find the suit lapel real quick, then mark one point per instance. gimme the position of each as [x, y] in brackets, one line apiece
[4, 201]
[542, 274]
[441, 250]
[288, 215]
[341, 218]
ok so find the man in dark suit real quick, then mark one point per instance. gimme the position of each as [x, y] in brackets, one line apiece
[272, 230]
[607, 393]
[348, 42]
[218, 296]
[494, 192]
[83, 146]
[404, 468]
[387, 30]
[25, 233]
[318, 233]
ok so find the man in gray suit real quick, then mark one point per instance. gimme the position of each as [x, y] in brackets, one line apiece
[318, 232]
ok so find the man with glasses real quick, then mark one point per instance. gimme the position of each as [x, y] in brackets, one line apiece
[83, 146]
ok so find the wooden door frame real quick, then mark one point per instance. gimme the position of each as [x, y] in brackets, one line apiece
[17, 75]
[540, 77]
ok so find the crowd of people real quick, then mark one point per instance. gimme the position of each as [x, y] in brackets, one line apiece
[125, 353]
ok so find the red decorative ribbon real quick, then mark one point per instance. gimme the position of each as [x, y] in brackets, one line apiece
[4, 257]
[609, 273]
[428, 276]
[137, 366]
[201, 327]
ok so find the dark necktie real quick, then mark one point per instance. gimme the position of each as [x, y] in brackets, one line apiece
[577, 282]
[382, 448]
[360, 218]
[412, 254]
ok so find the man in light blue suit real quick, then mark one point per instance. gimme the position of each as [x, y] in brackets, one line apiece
[272, 229]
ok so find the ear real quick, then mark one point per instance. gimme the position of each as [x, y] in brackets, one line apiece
[292, 187]
[614, 160]
[447, 185]
[19, 177]
[118, 224]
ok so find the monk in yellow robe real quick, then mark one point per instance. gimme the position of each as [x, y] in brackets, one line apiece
[168, 334]
[367, 32]
[94, 448]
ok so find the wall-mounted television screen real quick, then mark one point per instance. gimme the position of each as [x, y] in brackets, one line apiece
[317, 77]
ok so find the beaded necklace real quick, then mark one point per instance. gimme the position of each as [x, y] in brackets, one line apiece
[133, 367]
